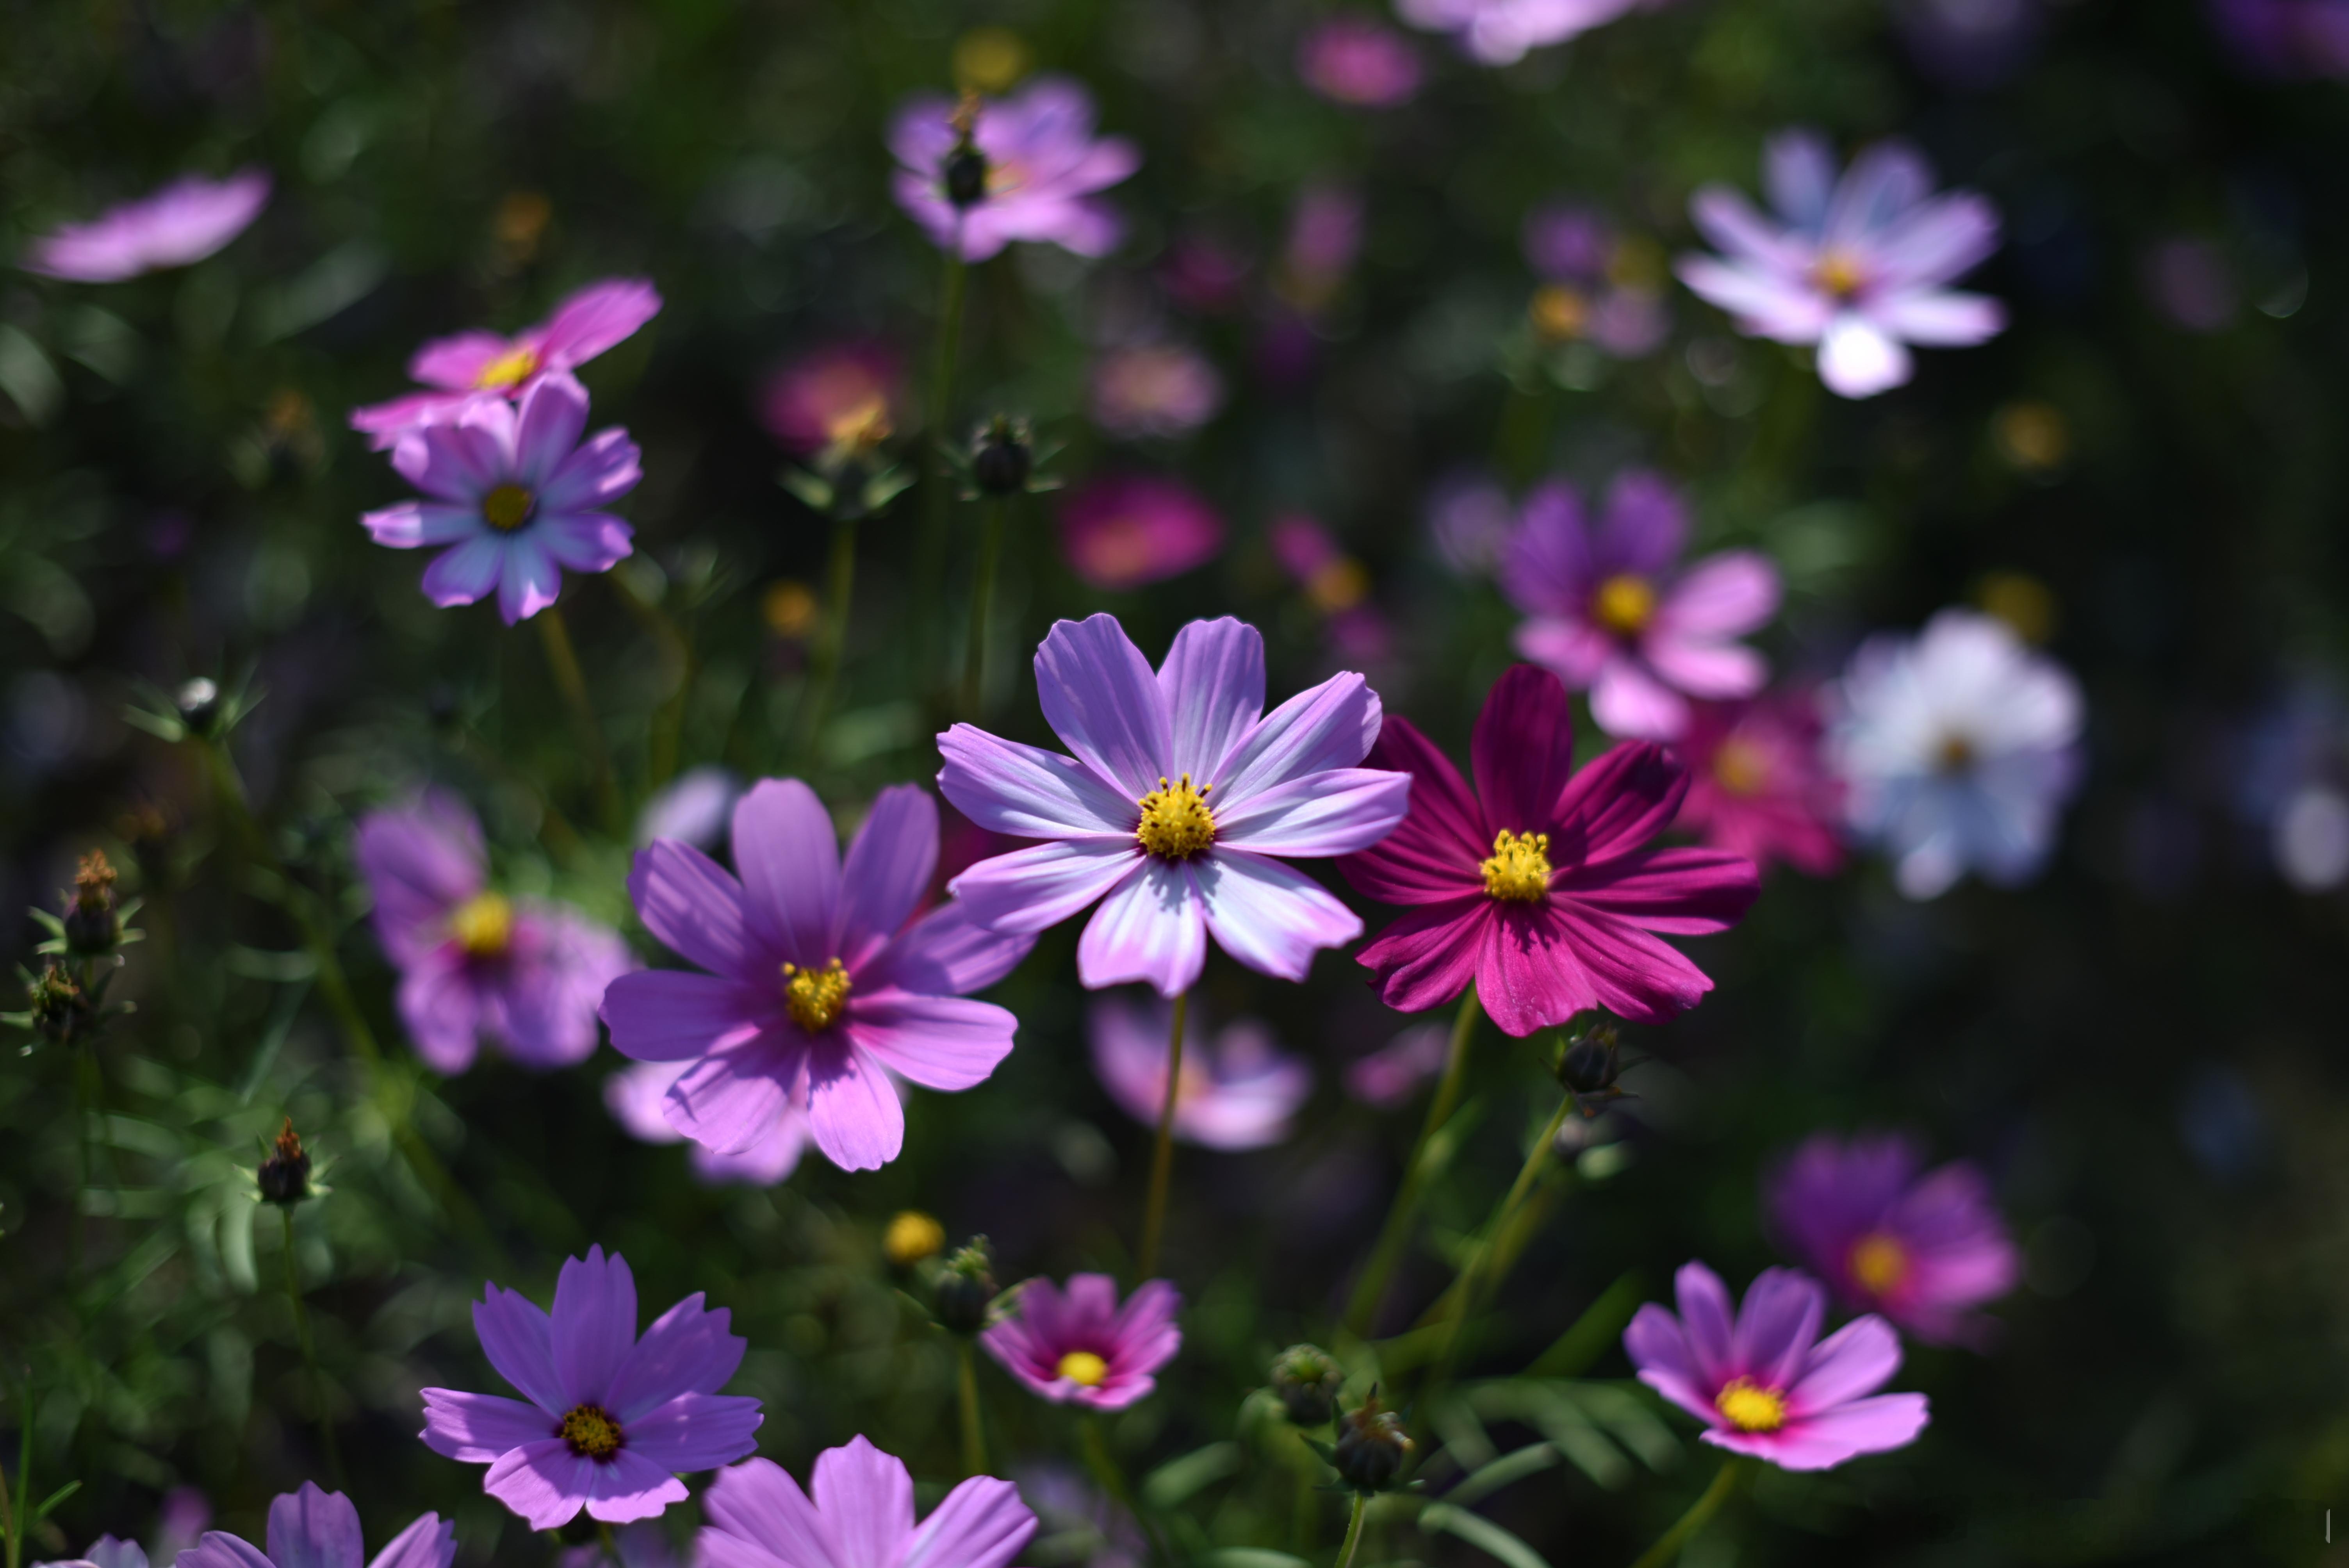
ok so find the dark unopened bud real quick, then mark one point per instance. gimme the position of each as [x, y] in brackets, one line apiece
[1003, 458]
[199, 702]
[1373, 1447]
[59, 1011]
[965, 170]
[1307, 1378]
[91, 925]
[1591, 1068]
[966, 1287]
[285, 1175]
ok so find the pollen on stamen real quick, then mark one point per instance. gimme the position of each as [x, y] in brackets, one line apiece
[1084, 1369]
[1518, 870]
[507, 507]
[1624, 603]
[1176, 821]
[591, 1431]
[1878, 1263]
[511, 368]
[483, 924]
[1839, 273]
[1750, 1407]
[815, 997]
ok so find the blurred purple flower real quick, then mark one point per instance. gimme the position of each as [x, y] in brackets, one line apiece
[1202, 274]
[2290, 780]
[1469, 519]
[611, 1418]
[178, 1520]
[1123, 531]
[1970, 44]
[1083, 1347]
[1354, 60]
[1042, 169]
[861, 1515]
[516, 495]
[1612, 610]
[472, 961]
[1237, 1092]
[833, 394]
[1155, 389]
[2287, 38]
[1599, 288]
[1922, 1249]
[643, 1544]
[1392, 1074]
[2188, 280]
[315, 1528]
[1758, 786]
[109, 1551]
[1856, 265]
[1500, 32]
[636, 1094]
[1080, 1520]
[693, 808]
[1335, 583]
[182, 223]
[1325, 235]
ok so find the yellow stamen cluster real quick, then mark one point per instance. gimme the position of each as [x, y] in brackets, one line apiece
[1084, 1367]
[1741, 766]
[1838, 273]
[1955, 754]
[507, 507]
[591, 1431]
[911, 1236]
[1518, 870]
[1750, 1407]
[1878, 1263]
[508, 369]
[1624, 603]
[816, 998]
[1175, 822]
[483, 924]
[1558, 314]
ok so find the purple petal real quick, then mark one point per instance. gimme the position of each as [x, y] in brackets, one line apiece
[585, 541]
[315, 1528]
[1151, 927]
[852, 1110]
[628, 1487]
[1326, 727]
[596, 317]
[1213, 684]
[1623, 797]
[1026, 891]
[1777, 1324]
[1522, 753]
[1629, 700]
[594, 1323]
[221, 1550]
[419, 862]
[1798, 175]
[530, 579]
[945, 953]
[608, 467]
[552, 418]
[982, 1523]
[1783, 309]
[1267, 915]
[938, 1042]
[544, 1482]
[758, 1505]
[1881, 185]
[1723, 595]
[1546, 562]
[466, 575]
[1661, 1352]
[697, 1432]
[458, 463]
[668, 1016]
[1706, 1320]
[1858, 359]
[456, 363]
[478, 1428]
[730, 1100]
[1858, 1358]
[888, 867]
[518, 1338]
[687, 1350]
[1429, 957]
[867, 1500]
[429, 1543]
[1028, 792]
[1681, 892]
[1937, 242]
[1338, 812]
[443, 1009]
[689, 902]
[1865, 1427]
[1751, 242]
[412, 525]
[1719, 672]
[1644, 525]
[789, 858]
[1101, 699]
[1936, 318]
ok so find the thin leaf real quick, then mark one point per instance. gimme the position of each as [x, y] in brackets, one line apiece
[1482, 1534]
[1599, 1326]
[54, 1499]
[1531, 1460]
[1176, 1479]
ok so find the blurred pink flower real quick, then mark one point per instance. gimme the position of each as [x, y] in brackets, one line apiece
[1238, 1092]
[1123, 531]
[1155, 389]
[182, 223]
[1354, 60]
[1759, 785]
[832, 394]
[1082, 1347]
[1392, 1074]
[1042, 170]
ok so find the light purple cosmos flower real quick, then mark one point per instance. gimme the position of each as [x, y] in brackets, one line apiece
[861, 1516]
[1765, 1384]
[184, 222]
[1392, 1074]
[476, 366]
[1181, 796]
[636, 1095]
[1922, 1248]
[1238, 1091]
[1501, 32]
[314, 1529]
[1082, 1347]
[1042, 167]
[1155, 389]
[105, 1552]
[1611, 609]
[611, 1418]
[516, 495]
[1601, 288]
[1856, 265]
[821, 982]
[472, 961]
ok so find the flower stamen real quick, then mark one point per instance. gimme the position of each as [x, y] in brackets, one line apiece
[1878, 1263]
[1741, 768]
[511, 368]
[1175, 822]
[1518, 870]
[507, 507]
[483, 924]
[1624, 603]
[815, 997]
[1839, 273]
[593, 1432]
[1084, 1369]
[1750, 1407]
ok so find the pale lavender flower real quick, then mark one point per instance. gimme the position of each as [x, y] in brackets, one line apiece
[1155, 389]
[636, 1095]
[1236, 1090]
[860, 1515]
[1392, 1074]
[184, 222]
[315, 1528]
[1083, 1347]
[1041, 169]
[1501, 32]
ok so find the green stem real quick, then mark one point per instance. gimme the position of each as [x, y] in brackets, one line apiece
[1472, 1273]
[1371, 1288]
[667, 734]
[310, 1352]
[930, 567]
[1161, 1157]
[611, 1542]
[829, 646]
[83, 1062]
[1353, 1534]
[982, 597]
[1111, 1480]
[974, 1431]
[19, 1514]
[563, 658]
[1668, 1545]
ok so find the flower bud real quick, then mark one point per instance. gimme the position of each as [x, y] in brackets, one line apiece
[965, 1288]
[911, 1236]
[1373, 1447]
[966, 167]
[284, 1175]
[91, 925]
[1590, 1068]
[1003, 457]
[199, 702]
[57, 1010]
[1307, 1378]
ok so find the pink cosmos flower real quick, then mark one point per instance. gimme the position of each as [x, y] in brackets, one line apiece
[1766, 1385]
[184, 222]
[473, 962]
[474, 366]
[1155, 389]
[611, 1418]
[1610, 610]
[1123, 531]
[861, 1516]
[516, 495]
[315, 1528]
[1856, 265]
[832, 394]
[1759, 785]
[1178, 808]
[1084, 1349]
[1500, 32]
[1923, 1249]
[636, 1097]
[1042, 170]
[1354, 60]
[1238, 1092]
[1392, 1074]
[822, 981]
[1537, 887]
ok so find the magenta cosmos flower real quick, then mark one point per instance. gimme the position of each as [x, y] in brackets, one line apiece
[861, 1515]
[1922, 1248]
[515, 494]
[1354, 60]
[472, 961]
[1182, 800]
[1765, 1384]
[184, 222]
[638, 1094]
[1537, 887]
[611, 1418]
[819, 986]
[1611, 611]
[834, 395]
[1039, 170]
[1123, 531]
[1239, 1090]
[1082, 1347]
[1856, 265]
[472, 365]
[1758, 782]
[315, 1528]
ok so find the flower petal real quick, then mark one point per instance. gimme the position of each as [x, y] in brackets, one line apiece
[585, 541]
[668, 1016]
[730, 1100]
[1102, 699]
[1858, 1358]
[544, 1482]
[315, 1528]
[946, 953]
[1435, 851]
[689, 1349]
[938, 1042]
[412, 525]
[1270, 916]
[697, 1432]
[594, 1323]
[1777, 1324]
[1857, 358]
[852, 1110]
[518, 1338]
[218, 1549]
[1027, 791]
[429, 1543]
[1632, 973]
[867, 1499]
[789, 858]
[455, 363]
[443, 1009]
[596, 317]
[1625, 797]
[530, 579]
[1027, 889]
[1429, 957]
[1628, 699]
[553, 416]
[1325, 726]
[1724, 595]
[758, 1504]
[1522, 751]
[1939, 317]
[1706, 1319]
[982, 1523]
[1864, 1427]
[1213, 684]
[1338, 812]
[692, 906]
[888, 867]
[1798, 175]
[1659, 1349]
[1680, 892]
[466, 575]
[1781, 307]
[1151, 927]
[478, 1428]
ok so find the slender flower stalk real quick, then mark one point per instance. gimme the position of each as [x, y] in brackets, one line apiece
[1162, 1158]
[1371, 1287]
[1472, 1280]
[840, 591]
[310, 1352]
[974, 1427]
[1111, 1479]
[1668, 1545]
[1353, 1532]
[982, 598]
[931, 563]
[563, 658]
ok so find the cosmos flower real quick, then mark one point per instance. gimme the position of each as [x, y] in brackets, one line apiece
[184, 222]
[1178, 808]
[2287, 38]
[636, 1095]
[695, 806]
[1537, 887]
[1037, 171]
[1337, 583]
[1597, 287]
[861, 1516]
[1765, 1384]
[1082, 1347]
[1123, 531]
[821, 982]
[1611, 610]
[832, 394]
[1351, 59]
[474, 366]
[1155, 389]
[517, 496]
[611, 1418]
[315, 1528]
[1856, 265]
[1958, 747]
[1922, 1248]
[1757, 784]
[472, 961]
[1392, 1074]
[1501, 32]
[1238, 1091]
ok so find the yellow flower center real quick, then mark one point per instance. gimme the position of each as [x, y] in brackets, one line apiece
[483, 924]
[1518, 870]
[1175, 822]
[507, 507]
[1955, 754]
[1083, 1366]
[815, 996]
[1624, 603]
[1878, 1263]
[1838, 273]
[1750, 1407]
[1741, 768]
[1558, 314]
[911, 1237]
[591, 1431]
[508, 369]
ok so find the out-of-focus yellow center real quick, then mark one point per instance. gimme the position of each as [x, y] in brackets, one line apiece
[1750, 1407]
[815, 997]
[860, 426]
[1624, 603]
[1558, 314]
[1878, 1263]
[507, 507]
[1175, 822]
[1338, 584]
[1518, 869]
[592, 1432]
[1741, 766]
[511, 369]
[911, 1237]
[1084, 1367]
[1955, 754]
[1838, 273]
[1005, 177]
[483, 924]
